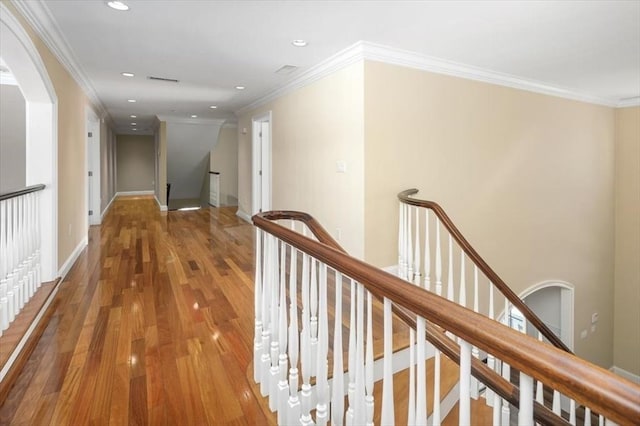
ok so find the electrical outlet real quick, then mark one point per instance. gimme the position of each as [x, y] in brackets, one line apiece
[341, 166]
[583, 334]
[594, 318]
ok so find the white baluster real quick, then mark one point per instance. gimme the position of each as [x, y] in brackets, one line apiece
[403, 242]
[601, 420]
[539, 384]
[572, 412]
[293, 408]
[337, 398]
[506, 370]
[474, 351]
[322, 385]
[556, 403]
[435, 416]
[266, 326]
[305, 340]
[352, 357]
[257, 342]
[421, 385]
[463, 282]
[497, 403]
[400, 240]
[411, 416]
[438, 260]
[587, 416]
[313, 299]
[416, 260]
[450, 271]
[388, 410]
[369, 362]
[525, 411]
[490, 358]
[409, 246]
[465, 374]
[359, 413]
[427, 252]
[274, 371]
[283, 359]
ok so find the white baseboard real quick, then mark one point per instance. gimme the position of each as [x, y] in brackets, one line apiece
[66, 266]
[244, 216]
[162, 207]
[150, 192]
[626, 374]
[106, 209]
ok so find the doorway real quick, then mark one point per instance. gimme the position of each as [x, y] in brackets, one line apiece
[261, 162]
[93, 168]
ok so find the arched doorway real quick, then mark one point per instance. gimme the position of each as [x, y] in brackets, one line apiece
[552, 302]
[21, 56]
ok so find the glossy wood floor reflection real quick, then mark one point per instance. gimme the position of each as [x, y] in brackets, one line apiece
[153, 325]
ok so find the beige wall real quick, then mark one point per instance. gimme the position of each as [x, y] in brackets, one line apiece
[528, 178]
[224, 159]
[627, 241]
[13, 150]
[312, 128]
[136, 163]
[72, 102]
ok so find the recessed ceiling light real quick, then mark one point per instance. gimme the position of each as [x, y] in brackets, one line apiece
[134, 124]
[117, 5]
[131, 100]
[213, 106]
[127, 74]
[134, 129]
[133, 116]
[240, 87]
[299, 43]
[194, 116]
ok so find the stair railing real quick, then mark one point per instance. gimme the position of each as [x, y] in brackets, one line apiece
[19, 251]
[301, 284]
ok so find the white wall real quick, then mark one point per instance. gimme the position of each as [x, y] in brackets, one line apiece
[188, 148]
[224, 159]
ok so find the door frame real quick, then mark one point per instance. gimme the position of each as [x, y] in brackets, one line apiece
[92, 184]
[567, 295]
[261, 160]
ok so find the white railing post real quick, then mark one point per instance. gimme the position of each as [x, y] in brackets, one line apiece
[350, 416]
[427, 252]
[421, 380]
[305, 340]
[416, 260]
[322, 385]
[274, 371]
[369, 363]
[283, 358]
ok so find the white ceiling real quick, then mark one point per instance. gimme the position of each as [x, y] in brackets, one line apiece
[586, 47]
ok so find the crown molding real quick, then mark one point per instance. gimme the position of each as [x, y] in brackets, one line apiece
[39, 17]
[629, 102]
[185, 120]
[342, 59]
[363, 50]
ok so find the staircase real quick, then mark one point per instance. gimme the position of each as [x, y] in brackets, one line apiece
[340, 341]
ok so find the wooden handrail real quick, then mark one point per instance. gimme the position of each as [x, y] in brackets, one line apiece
[533, 319]
[616, 398]
[23, 191]
[436, 336]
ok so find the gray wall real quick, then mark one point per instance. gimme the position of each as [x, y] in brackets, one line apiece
[135, 163]
[224, 159]
[12, 138]
[188, 148]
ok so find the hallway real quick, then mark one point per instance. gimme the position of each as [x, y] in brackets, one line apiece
[153, 325]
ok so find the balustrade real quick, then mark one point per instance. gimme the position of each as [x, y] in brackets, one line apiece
[20, 274]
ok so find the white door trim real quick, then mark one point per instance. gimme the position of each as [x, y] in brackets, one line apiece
[265, 164]
[567, 293]
[92, 184]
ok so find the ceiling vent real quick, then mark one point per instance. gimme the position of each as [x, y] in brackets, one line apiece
[286, 70]
[168, 80]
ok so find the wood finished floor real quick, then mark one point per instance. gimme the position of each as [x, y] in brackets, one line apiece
[153, 325]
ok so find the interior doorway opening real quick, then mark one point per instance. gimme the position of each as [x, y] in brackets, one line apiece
[261, 162]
